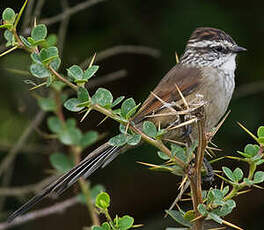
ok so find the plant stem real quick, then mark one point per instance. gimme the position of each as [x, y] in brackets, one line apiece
[195, 173]
[156, 143]
[75, 87]
[85, 188]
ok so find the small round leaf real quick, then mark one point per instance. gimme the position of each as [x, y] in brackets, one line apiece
[125, 222]
[133, 139]
[103, 97]
[102, 200]
[39, 32]
[90, 72]
[118, 140]
[72, 105]
[75, 72]
[149, 129]
[258, 177]
[39, 70]
[61, 162]
[9, 15]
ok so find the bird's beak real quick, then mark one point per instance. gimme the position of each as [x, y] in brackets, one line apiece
[238, 49]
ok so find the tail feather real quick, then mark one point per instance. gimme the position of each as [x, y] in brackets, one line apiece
[98, 158]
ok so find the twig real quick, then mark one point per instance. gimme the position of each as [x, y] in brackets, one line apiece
[76, 151]
[57, 208]
[70, 11]
[23, 138]
[39, 6]
[107, 78]
[23, 190]
[116, 50]
[195, 177]
[63, 27]
[75, 87]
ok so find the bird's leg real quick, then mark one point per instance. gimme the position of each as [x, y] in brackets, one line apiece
[209, 177]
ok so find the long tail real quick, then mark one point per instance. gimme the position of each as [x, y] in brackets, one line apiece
[97, 159]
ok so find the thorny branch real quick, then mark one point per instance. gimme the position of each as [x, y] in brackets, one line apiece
[116, 50]
[55, 209]
[73, 10]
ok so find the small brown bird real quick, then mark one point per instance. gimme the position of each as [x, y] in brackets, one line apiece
[206, 69]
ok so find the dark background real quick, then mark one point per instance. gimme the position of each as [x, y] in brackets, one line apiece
[163, 25]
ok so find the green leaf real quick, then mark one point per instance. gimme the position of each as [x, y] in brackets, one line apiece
[9, 15]
[149, 129]
[229, 174]
[252, 150]
[83, 94]
[75, 72]
[50, 41]
[117, 101]
[48, 54]
[61, 162]
[70, 136]
[96, 190]
[179, 152]
[25, 41]
[39, 70]
[258, 177]
[88, 139]
[238, 174]
[9, 36]
[102, 200]
[39, 32]
[125, 222]
[261, 140]
[248, 182]
[90, 72]
[122, 129]
[260, 131]
[72, 105]
[118, 140]
[225, 190]
[35, 58]
[215, 218]
[103, 97]
[55, 64]
[46, 104]
[163, 156]
[202, 209]
[54, 124]
[133, 139]
[178, 217]
[105, 226]
[127, 106]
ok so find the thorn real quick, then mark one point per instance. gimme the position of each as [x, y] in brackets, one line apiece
[183, 124]
[177, 58]
[38, 86]
[164, 103]
[183, 98]
[85, 115]
[8, 51]
[246, 191]
[231, 225]
[102, 121]
[245, 129]
[92, 60]
[175, 142]
[219, 125]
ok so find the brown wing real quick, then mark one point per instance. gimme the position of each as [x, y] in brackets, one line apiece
[186, 78]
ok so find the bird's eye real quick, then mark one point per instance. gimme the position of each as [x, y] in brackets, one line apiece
[218, 48]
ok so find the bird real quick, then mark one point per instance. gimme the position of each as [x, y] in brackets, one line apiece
[206, 68]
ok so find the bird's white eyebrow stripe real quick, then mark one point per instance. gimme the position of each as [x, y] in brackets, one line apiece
[201, 44]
